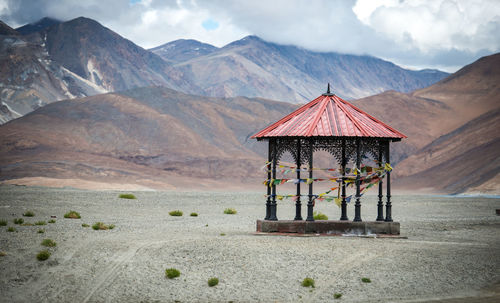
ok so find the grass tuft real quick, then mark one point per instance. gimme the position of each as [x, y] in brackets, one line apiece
[43, 255]
[194, 215]
[3, 254]
[40, 223]
[213, 281]
[222, 234]
[85, 225]
[41, 231]
[308, 282]
[172, 273]
[366, 280]
[11, 229]
[52, 221]
[3, 222]
[49, 243]
[102, 226]
[337, 295]
[320, 216]
[230, 211]
[29, 213]
[72, 215]
[175, 213]
[127, 196]
[18, 221]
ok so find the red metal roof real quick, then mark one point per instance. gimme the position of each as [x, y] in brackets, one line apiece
[329, 115]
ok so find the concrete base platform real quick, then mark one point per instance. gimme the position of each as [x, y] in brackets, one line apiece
[329, 227]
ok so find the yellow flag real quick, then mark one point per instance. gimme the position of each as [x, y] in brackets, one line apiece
[309, 181]
[338, 201]
[388, 167]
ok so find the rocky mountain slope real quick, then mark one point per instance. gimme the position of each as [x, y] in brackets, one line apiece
[154, 136]
[452, 128]
[60, 60]
[254, 67]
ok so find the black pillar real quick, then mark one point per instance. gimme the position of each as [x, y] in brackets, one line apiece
[343, 216]
[298, 206]
[269, 159]
[380, 205]
[310, 216]
[388, 205]
[272, 215]
[357, 206]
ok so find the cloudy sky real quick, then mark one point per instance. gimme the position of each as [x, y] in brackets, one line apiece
[444, 34]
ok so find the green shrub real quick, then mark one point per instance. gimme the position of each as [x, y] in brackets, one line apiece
[41, 231]
[85, 225]
[366, 280]
[320, 216]
[3, 222]
[52, 221]
[102, 226]
[213, 281]
[43, 255]
[29, 213]
[308, 282]
[175, 213]
[49, 243]
[41, 223]
[230, 211]
[222, 234]
[194, 215]
[3, 254]
[127, 196]
[172, 273]
[18, 221]
[337, 296]
[11, 229]
[72, 215]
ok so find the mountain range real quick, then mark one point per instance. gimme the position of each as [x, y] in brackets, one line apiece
[151, 133]
[51, 60]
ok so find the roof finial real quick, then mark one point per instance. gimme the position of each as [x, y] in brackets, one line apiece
[328, 93]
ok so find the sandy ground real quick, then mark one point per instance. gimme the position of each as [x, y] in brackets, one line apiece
[452, 252]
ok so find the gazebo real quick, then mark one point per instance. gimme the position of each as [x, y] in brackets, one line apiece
[346, 132]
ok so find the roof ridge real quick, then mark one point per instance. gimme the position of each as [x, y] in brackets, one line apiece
[318, 115]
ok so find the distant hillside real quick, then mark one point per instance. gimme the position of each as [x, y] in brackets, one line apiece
[452, 128]
[156, 137]
[59, 60]
[254, 67]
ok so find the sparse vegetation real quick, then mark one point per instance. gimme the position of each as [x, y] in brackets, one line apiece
[127, 196]
[3, 222]
[222, 234]
[40, 223]
[175, 213]
[18, 221]
[337, 295]
[43, 255]
[85, 225]
[320, 216]
[172, 273]
[41, 231]
[194, 215]
[27, 224]
[3, 254]
[213, 281]
[72, 215]
[308, 282]
[29, 213]
[102, 226]
[11, 229]
[52, 221]
[230, 211]
[48, 243]
[366, 280]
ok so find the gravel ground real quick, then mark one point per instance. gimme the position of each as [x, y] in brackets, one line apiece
[452, 250]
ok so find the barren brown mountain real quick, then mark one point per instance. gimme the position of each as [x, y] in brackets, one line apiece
[445, 109]
[154, 137]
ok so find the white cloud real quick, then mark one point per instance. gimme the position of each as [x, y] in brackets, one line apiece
[444, 33]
